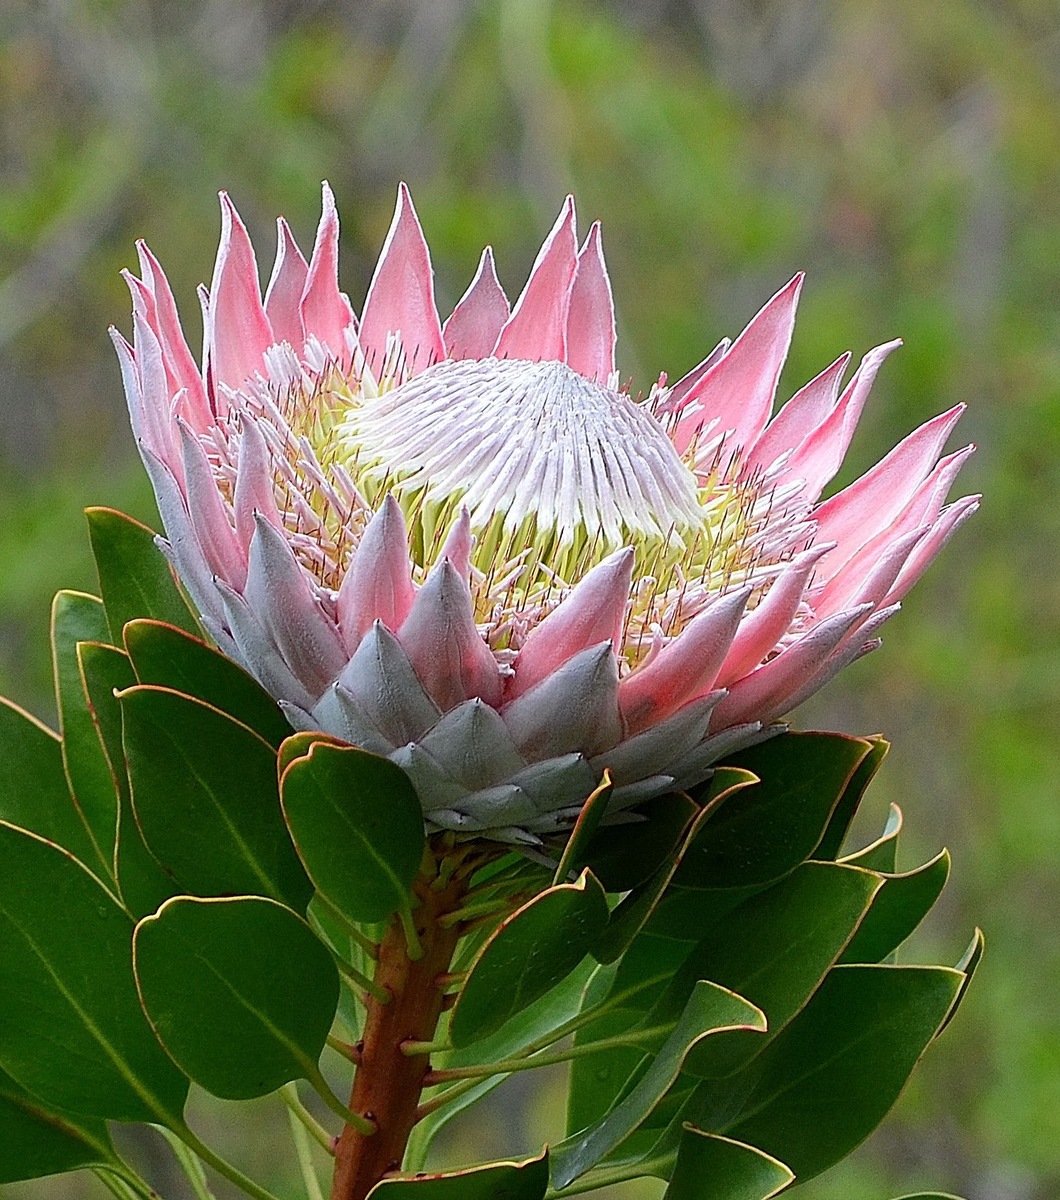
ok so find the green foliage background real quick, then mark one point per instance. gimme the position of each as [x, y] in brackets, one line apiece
[905, 154]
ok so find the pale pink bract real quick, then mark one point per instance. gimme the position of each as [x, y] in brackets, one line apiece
[466, 547]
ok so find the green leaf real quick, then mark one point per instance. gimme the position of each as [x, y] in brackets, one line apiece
[764, 831]
[205, 796]
[36, 1141]
[634, 910]
[774, 950]
[585, 828]
[240, 991]
[529, 953]
[298, 745]
[641, 978]
[850, 801]
[710, 1010]
[929, 1196]
[828, 1080]
[732, 1170]
[168, 657]
[526, 1179]
[141, 880]
[968, 965]
[549, 1012]
[882, 854]
[80, 618]
[897, 909]
[134, 577]
[358, 826]
[69, 995]
[33, 789]
[624, 856]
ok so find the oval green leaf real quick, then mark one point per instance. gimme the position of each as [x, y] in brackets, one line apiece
[882, 854]
[710, 1010]
[134, 577]
[69, 994]
[142, 882]
[530, 952]
[592, 814]
[523, 1180]
[33, 790]
[80, 618]
[624, 856]
[205, 797]
[764, 831]
[635, 909]
[733, 1170]
[897, 909]
[774, 950]
[171, 658]
[828, 1080]
[240, 991]
[358, 827]
[831, 844]
[36, 1141]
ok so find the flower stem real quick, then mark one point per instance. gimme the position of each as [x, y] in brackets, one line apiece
[415, 952]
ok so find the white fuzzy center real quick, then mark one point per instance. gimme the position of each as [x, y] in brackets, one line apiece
[528, 440]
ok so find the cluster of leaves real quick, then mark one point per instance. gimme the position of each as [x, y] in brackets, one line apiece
[187, 888]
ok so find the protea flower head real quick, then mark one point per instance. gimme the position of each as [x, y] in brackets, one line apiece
[466, 546]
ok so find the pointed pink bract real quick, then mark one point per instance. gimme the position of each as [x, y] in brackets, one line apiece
[238, 329]
[283, 296]
[591, 315]
[738, 392]
[401, 295]
[324, 309]
[477, 320]
[537, 328]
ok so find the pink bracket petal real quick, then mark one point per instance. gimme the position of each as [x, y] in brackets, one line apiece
[325, 311]
[871, 503]
[678, 396]
[377, 585]
[283, 296]
[686, 668]
[800, 416]
[821, 453]
[763, 627]
[180, 365]
[210, 515]
[739, 390]
[477, 320]
[537, 328]
[592, 613]
[591, 316]
[239, 332]
[401, 295]
[760, 696]
[444, 645]
[952, 518]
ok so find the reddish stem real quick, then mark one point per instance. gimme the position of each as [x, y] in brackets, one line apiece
[388, 1083]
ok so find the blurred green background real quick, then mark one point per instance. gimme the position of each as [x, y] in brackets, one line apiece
[904, 153]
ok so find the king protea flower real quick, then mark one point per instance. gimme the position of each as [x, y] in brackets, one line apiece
[466, 545]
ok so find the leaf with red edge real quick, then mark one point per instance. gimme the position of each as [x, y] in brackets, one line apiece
[530, 952]
[169, 657]
[526, 1179]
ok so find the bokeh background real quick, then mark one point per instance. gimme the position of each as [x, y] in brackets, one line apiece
[906, 154]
